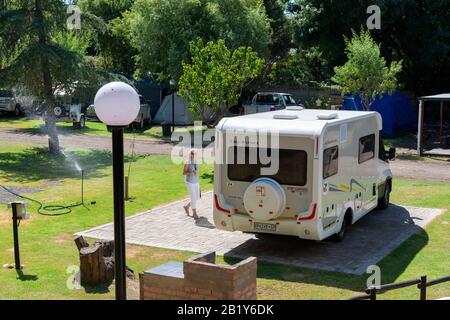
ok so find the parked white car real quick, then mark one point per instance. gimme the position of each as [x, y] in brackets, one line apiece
[270, 101]
[9, 103]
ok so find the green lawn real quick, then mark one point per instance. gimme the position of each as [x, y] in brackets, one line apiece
[93, 128]
[425, 253]
[47, 248]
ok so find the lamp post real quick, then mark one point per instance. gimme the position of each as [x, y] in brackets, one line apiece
[173, 83]
[117, 105]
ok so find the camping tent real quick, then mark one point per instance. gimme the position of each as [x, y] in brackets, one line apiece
[183, 115]
[151, 90]
[396, 110]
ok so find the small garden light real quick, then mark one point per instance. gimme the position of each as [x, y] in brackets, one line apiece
[19, 212]
[117, 105]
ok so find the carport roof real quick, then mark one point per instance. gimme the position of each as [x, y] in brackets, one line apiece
[436, 97]
[443, 97]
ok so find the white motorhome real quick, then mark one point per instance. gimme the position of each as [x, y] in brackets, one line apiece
[332, 169]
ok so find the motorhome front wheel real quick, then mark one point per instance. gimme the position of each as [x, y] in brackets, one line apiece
[264, 199]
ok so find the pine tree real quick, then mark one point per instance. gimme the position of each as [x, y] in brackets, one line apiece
[31, 57]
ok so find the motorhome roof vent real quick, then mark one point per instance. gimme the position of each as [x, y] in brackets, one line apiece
[327, 116]
[295, 108]
[285, 116]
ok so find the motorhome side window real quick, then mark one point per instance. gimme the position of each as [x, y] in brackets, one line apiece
[330, 161]
[291, 169]
[366, 148]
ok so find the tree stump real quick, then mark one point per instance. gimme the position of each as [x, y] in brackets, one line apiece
[93, 268]
[97, 262]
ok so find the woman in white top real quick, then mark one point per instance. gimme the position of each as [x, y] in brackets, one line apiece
[190, 173]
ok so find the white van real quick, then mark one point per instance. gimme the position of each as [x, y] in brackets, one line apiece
[332, 170]
[9, 103]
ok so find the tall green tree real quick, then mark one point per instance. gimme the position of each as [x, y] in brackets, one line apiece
[113, 49]
[281, 29]
[33, 59]
[213, 81]
[281, 38]
[161, 30]
[366, 71]
[301, 68]
[415, 31]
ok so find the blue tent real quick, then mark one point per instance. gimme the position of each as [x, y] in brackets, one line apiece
[396, 110]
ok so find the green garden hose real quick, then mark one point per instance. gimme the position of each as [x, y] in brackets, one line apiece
[51, 210]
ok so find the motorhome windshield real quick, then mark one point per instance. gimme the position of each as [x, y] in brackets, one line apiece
[291, 170]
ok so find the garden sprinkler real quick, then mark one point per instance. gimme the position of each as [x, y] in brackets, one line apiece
[82, 188]
[79, 169]
[55, 210]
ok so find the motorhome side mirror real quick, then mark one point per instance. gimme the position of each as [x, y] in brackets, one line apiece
[391, 154]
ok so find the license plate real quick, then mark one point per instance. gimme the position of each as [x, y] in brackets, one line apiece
[265, 227]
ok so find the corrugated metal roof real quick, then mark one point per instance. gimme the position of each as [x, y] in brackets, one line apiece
[436, 97]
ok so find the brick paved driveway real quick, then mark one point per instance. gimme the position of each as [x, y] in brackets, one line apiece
[371, 239]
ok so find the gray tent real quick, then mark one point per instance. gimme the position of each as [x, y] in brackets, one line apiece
[183, 115]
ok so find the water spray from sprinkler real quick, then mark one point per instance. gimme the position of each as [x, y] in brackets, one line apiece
[56, 210]
[77, 167]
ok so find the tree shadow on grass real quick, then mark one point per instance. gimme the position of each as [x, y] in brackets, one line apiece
[415, 157]
[41, 130]
[279, 272]
[391, 268]
[90, 128]
[38, 164]
[148, 131]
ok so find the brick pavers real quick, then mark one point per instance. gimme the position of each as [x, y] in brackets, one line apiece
[367, 242]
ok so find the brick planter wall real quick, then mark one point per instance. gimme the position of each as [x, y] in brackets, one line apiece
[199, 278]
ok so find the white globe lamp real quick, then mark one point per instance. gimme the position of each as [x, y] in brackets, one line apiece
[117, 104]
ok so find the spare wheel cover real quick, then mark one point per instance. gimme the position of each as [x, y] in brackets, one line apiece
[57, 111]
[264, 199]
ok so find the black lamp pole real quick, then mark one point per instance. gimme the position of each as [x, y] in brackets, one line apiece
[173, 110]
[119, 213]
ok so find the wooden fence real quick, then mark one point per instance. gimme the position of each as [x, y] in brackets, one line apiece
[422, 285]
